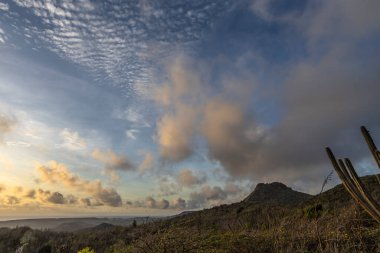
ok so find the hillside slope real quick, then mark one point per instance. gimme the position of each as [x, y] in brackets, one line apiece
[273, 218]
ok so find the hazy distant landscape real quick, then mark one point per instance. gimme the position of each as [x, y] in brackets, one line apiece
[74, 224]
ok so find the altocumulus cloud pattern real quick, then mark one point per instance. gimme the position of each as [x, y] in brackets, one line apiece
[116, 41]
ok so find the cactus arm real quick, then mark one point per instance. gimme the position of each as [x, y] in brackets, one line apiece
[354, 186]
[371, 145]
[351, 185]
[364, 192]
[343, 178]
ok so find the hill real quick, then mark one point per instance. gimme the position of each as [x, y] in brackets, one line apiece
[276, 193]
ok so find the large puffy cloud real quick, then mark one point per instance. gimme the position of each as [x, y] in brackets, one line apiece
[56, 173]
[187, 178]
[191, 110]
[175, 134]
[325, 96]
[231, 137]
[180, 98]
[108, 196]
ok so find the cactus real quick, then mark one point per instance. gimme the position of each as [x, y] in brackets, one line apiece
[352, 182]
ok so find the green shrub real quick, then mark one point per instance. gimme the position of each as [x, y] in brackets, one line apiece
[313, 212]
[86, 250]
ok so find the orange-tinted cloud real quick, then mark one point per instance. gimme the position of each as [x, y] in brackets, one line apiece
[188, 178]
[180, 98]
[56, 173]
[113, 161]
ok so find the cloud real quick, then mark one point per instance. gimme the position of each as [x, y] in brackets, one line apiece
[232, 189]
[180, 98]
[85, 201]
[56, 173]
[90, 202]
[72, 140]
[131, 133]
[4, 7]
[340, 19]
[113, 161]
[12, 200]
[56, 198]
[179, 203]
[18, 144]
[147, 162]
[114, 176]
[261, 9]
[215, 195]
[115, 50]
[131, 114]
[19, 195]
[324, 97]
[48, 197]
[150, 202]
[168, 186]
[6, 125]
[30, 194]
[163, 204]
[174, 135]
[71, 199]
[109, 197]
[226, 128]
[192, 111]
[187, 178]
[266, 10]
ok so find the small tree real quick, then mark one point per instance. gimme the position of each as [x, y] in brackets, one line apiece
[134, 223]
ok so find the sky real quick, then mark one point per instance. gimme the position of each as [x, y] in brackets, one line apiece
[146, 107]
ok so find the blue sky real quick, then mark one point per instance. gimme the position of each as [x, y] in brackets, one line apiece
[153, 107]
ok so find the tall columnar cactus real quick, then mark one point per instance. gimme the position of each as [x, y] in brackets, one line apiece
[352, 182]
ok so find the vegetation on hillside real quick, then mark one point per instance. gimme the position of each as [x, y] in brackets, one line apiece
[328, 222]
